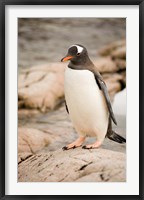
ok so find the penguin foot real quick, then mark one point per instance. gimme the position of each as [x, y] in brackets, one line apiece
[75, 144]
[92, 146]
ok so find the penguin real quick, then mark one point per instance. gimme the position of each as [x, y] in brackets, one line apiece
[87, 100]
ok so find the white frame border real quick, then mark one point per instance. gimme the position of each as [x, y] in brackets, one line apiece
[131, 187]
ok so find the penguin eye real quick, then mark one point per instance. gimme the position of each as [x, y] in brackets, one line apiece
[78, 54]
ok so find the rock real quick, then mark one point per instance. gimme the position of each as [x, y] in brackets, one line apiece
[23, 156]
[113, 82]
[119, 53]
[27, 113]
[120, 63]
[76, 165]
[123, 81]
[107, 50]
[31, 140]
[26, 79]
[105, 65]
[41, 87]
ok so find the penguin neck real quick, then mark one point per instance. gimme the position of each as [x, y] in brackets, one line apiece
[81, 64]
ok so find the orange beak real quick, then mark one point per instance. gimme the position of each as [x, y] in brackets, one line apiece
[66, 58]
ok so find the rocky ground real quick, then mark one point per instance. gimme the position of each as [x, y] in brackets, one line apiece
[44, 125]
[47, 40]
[73, 166]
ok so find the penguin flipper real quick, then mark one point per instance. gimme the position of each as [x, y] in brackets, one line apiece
[66, 107]
[112, 135]
[103, 87]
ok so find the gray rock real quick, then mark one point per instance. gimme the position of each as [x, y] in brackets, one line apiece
[31, 140]
[76, 165]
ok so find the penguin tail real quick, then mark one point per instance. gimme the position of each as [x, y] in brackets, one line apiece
[115, 137]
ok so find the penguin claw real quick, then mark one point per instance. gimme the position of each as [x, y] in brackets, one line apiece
[65, 148]
[85, 147]
[96, 145]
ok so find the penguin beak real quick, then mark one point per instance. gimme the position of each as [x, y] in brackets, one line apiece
[66, 58]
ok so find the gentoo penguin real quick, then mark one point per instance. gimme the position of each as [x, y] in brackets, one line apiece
[87, 100]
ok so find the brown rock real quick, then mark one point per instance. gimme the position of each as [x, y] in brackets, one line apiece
[79, 165]
[113, 82]
[23, 156]
[111, 47]
[121, 64]
[42, 87]
[31, 140]
[26, 79]
[105, 65]
[119, 53]
[21, 103]
[123, 81]
[22, 113]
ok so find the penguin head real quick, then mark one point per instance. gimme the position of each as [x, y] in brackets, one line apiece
[76, 54]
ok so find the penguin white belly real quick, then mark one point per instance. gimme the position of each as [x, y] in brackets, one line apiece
[86, 103]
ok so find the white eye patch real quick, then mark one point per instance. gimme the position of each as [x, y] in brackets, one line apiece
[79, 49]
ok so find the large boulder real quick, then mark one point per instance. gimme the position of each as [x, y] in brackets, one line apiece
[31, 140]
[41, 87]
[79, 165]
[111, 48]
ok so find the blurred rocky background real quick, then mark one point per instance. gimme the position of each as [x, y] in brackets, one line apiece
[44, 125]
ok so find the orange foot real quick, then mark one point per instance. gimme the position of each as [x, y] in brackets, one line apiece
[96, 145]
[75, 144]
